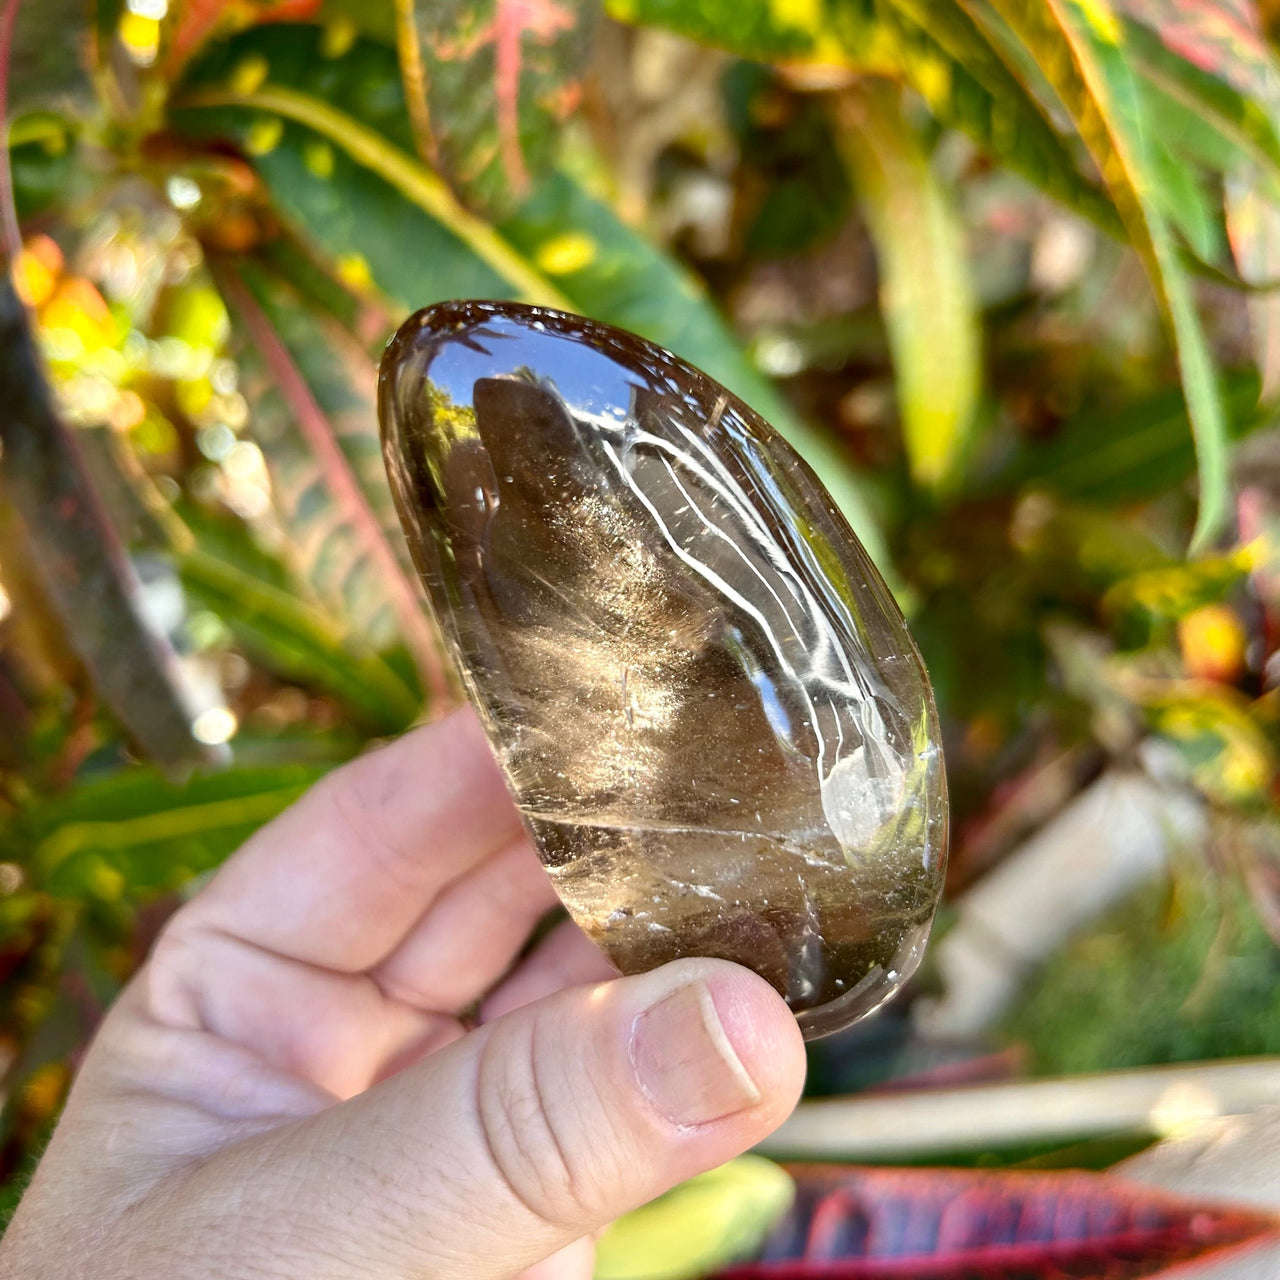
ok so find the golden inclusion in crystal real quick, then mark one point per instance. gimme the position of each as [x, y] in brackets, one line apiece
[704, 699]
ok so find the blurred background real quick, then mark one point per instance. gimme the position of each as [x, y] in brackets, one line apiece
[1003, 270]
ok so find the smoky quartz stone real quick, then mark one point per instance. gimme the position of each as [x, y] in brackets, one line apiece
[704, 698]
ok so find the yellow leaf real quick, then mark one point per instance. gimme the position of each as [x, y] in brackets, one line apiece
[78, 307]
[105, 881]
[318, 157]
[338, 37]
[198, 316]
[1213, 644]
[804, 14]
[250, 73]
[140, 36]
[1229, 756]
[1101, 19]
[193, 396]
[354, 272]
[36, 271]
[925, 291]
[564, 254]
[699, 1226]
[264, 135]
[44, 1089]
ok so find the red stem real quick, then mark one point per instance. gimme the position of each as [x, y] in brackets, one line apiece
[12, 233]
[316, 430]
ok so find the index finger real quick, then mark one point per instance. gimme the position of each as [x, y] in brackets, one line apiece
[338, 879]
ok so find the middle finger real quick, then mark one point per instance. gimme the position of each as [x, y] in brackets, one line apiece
[467, 939]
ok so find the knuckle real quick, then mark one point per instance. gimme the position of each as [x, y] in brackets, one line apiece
[166, 980]
[535, 1138]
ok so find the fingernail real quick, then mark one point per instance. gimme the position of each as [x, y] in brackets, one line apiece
[685, 1062]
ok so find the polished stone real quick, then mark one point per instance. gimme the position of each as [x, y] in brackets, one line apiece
[703, 696]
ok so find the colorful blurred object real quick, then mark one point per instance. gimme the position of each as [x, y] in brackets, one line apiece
[947, 1224]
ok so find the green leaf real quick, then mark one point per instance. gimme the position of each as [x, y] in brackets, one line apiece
[1225, 749]
[1193, 210]
[44, 162]
[1210, 89]
[268, 608]
[79, 559]
[1185, 970]
[527, 55]
[765, 32]
[1081, 50]
[1167, 592]
[1129, 454]
[312, 393]
[223, 570]
[1080, 46]
[135, 832]
[339, 180]
[702, 1224]
[331, 136]
[954, 64]
[374, 211]
[318, 290]
[189, 25]
[374, 18]
[933, 45]
[1211, 84]
[925, 292]
[1214, 59]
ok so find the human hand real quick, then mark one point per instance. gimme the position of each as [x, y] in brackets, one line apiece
[287, 1088]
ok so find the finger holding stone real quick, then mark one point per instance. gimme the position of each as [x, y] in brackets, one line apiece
[340, 878]
[566, 957]
[467, 939]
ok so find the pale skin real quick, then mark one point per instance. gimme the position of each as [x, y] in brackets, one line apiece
[288, 1087]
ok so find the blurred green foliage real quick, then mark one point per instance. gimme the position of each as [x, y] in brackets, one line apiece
[1002, 271]
[1185, 970]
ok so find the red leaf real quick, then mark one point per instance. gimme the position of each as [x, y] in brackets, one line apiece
[955, 1224]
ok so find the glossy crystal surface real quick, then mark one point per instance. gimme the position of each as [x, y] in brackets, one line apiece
[703, 696]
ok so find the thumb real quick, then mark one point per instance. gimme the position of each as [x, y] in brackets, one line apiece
[538, 1128]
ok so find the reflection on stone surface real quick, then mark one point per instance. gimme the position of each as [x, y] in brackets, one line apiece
[704, 698]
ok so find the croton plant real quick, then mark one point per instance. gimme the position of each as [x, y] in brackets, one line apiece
[1003, 270]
